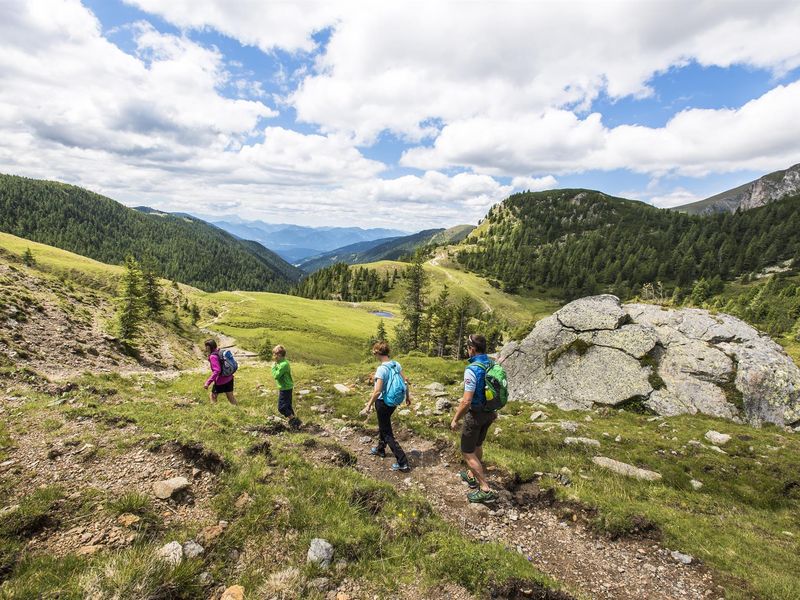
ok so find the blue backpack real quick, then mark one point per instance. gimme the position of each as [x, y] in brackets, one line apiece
[227, 363]
[394, 388]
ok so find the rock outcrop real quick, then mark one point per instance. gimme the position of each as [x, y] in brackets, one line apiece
[597, 351]
[763, 190]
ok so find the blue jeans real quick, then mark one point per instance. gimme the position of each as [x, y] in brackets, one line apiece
[285, 403]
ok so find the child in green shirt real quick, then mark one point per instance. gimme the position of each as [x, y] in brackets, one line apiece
[282, 372]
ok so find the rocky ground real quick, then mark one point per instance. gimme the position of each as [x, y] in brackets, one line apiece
[96, 465]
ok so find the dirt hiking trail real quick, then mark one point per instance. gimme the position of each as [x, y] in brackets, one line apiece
[589, 565]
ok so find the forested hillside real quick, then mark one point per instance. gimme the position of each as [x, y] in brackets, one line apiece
[580, 242]
[178, 247]
[340, 282]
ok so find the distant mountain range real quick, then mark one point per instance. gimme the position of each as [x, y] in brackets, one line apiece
[386, 249]
[179, 247]
[296, 242]
[756, 193]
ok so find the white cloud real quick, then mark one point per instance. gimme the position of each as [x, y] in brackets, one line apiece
[761, 135]
[399, 66]
[534, 184]
[266, 24]
[676, 197]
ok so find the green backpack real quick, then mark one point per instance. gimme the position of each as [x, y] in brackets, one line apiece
[496, 386]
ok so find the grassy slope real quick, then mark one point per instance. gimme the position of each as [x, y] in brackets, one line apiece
[518, 310]
[58, 259]
[313, 331]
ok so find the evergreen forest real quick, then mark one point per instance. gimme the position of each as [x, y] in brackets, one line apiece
[180, 248]
[577, 242]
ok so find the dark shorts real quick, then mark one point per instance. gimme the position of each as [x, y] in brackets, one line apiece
[221, 389]
[476, 426]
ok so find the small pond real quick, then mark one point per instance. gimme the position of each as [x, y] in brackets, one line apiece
[382, 313]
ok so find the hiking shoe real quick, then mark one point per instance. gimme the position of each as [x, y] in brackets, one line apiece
[479, 496]
[295, 423]
[468, 478]
[402, 468]
[376, 452]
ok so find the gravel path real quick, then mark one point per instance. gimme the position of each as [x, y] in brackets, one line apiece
[589, 566]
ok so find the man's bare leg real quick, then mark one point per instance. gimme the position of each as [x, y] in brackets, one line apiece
[474, 464]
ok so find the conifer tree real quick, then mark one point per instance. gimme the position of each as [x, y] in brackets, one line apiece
[413, 303]
[153, 295]
[130, 303]
[27, 258]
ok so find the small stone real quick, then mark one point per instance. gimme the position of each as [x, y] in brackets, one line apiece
[321, 584]
[717, 438]
[243, 501]
[209, 534]
[625, 469]
[235, 592]
[303, 392]
[618, 439]
[569, 426]
[167, 488]
[478, 507]
[582, 441]
[320, 552]
[696, 485]
[128, 520]
[171, 553]
[404, 412]
[443, 405]
[342, 596]
[89, 550]
[205, 578]
[342, 389]
[192, 549]
[196, 472]
[718, 449]
[435, 387]
[364, 440]
[538, 415]
[682, 558]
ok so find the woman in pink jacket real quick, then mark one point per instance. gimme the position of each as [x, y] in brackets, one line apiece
[220, 383]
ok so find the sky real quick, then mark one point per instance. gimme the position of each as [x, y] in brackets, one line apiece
[384, 113]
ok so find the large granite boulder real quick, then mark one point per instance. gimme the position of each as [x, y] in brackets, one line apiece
[597, 351]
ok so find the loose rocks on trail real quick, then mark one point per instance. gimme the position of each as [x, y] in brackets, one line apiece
[598, 351]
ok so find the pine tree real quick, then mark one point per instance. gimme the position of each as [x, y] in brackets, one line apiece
[439, 317]
[131, 304]
[413, 303]
[153, 295]
[380, 334]
[27, 258]
[460, 319]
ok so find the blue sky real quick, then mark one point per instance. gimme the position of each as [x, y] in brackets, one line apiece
[408, 115]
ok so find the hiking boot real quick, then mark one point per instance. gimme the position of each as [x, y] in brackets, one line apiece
[402, 468]
[469, 479]
[376, 452]
[294, 423]
[482, 497]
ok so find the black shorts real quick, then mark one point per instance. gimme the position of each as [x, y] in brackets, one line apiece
[221, 389]
[476, 426]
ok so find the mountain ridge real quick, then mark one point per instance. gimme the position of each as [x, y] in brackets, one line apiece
[386, 249]
[759, 192]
